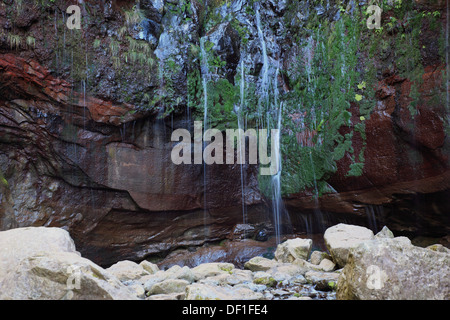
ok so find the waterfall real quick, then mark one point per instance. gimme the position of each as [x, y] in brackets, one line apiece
[265, 68]
[277, 201]
[240, 126]
[83, 84]
[275, 109]
[204, 74]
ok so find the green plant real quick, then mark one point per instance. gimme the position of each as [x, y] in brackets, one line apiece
[134, 16]
[31, 42]
[97, 43]
[15, 41]
[114, 46]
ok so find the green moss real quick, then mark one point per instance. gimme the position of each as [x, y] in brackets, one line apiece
[270, 282]
[3, 180]
[226, 269]
[332, 285]
[222, 96]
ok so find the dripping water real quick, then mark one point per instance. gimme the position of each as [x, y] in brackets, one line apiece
[240, 127]
[204, 73]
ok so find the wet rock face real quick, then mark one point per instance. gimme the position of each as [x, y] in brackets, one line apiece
[103, 173]
[406, 161]
[227, 46]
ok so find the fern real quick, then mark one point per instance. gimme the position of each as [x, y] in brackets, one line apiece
[114, 46]
[122, 32]
[134, 16]
[15, 41]
[31, 42]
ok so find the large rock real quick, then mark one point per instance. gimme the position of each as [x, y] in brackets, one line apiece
[169, 286]
[318, 256]
[61, 275]
[18, 244]
[293, 249]
[42, 263]
[394, 269]
[198, 291]
[174, 273]
[127, 270]
[212, 269]
[149, 267]
[340, 238]
[260, 264]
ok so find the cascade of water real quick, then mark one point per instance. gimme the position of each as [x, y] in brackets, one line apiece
[83, 83]
[277, 201]
[375, 215]
[277, 109]
[205, 74]
[265, 67]
[240, 126]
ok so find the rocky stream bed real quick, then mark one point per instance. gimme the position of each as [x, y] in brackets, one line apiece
[42, 263]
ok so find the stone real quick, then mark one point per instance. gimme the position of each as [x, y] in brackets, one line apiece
[169, 296]
[198, 291]
[185, 273]
[151, 268]
[394, 269]
[438, 248]
[151, 280]
[340, 238]
[218, 280]
[238, 276]
[305, 265]
[280, 292]
[299, 298]
[327, 265]
[138, 289]
[288, 272]
[127, 270]
[385, 233]
[211, 269]
[62, 275]
[264, 278]
[252, 286]
[21, 243]
[323, 281]
[169, 286]
[227, 46]
[260, 264]
[293, 249]
[243, 231]
[318, 256]
[175, 272]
